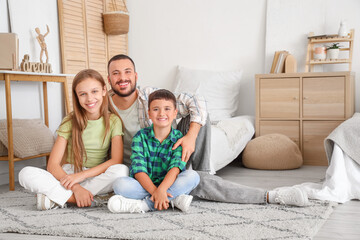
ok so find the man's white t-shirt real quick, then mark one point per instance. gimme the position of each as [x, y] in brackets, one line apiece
[131, 126]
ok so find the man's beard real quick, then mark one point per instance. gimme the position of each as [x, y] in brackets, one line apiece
[123, 94]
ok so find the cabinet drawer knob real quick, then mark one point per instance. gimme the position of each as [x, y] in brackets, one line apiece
[305, 98]
[295, 98]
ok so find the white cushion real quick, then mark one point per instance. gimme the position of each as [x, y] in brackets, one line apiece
[220, 89]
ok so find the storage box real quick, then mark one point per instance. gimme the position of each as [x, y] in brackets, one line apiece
[9, 51]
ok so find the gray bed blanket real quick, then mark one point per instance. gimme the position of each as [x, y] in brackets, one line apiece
[347, 137]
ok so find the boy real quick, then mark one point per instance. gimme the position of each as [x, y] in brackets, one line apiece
[157, 174]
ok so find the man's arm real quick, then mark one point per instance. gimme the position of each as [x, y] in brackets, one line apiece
[195, 106]
[188, 141]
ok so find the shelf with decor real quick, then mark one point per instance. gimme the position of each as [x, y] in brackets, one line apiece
[322, 39]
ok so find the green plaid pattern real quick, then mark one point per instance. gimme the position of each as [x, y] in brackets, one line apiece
[155, 158]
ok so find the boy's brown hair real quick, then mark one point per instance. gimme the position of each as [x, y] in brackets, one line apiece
[162, 94]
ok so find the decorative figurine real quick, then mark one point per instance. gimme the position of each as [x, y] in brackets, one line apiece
[41, 40]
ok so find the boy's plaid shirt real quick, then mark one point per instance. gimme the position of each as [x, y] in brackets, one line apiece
[155, 158]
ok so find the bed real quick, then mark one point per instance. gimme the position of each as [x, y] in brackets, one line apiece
[229, 133]
[228, 139]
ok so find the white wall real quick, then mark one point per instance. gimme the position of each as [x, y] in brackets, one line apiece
[223, 35]
[204, 34]
[290, 21]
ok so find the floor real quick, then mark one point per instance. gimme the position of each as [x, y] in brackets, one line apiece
[343, 223]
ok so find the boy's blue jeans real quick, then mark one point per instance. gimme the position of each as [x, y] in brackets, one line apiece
[129, 187]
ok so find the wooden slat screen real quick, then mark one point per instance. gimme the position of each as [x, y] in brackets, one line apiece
[84, 43]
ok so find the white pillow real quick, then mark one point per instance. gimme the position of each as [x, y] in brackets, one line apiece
[220, 89]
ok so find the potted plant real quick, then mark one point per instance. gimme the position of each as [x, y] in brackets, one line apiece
[332, 51]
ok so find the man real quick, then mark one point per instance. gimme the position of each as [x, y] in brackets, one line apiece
[131, 104]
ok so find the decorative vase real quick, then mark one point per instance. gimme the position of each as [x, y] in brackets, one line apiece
[332, 53]
[320, 53]
[343, 32]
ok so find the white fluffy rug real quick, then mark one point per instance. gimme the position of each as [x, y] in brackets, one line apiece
[206, 220]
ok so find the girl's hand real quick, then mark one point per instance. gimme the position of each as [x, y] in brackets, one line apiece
[160, 199]
[68, 181]
[82, 196]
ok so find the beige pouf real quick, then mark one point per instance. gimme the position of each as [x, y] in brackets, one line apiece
[272, 152]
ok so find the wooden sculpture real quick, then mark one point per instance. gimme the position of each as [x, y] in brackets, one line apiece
[41, 40]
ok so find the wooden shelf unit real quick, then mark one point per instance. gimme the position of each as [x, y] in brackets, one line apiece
[9, 76]
[306, 107]
[310, 61]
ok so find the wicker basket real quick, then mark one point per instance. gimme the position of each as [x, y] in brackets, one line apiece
[116, 23]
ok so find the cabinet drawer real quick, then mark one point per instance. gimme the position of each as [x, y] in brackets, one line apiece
[314, 134]
[324, 97]
[279, 98]
[288, 128]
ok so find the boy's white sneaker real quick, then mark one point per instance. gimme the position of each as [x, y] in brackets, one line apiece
[44, 203]
[120, 204]
[182, 202]
[291, 196]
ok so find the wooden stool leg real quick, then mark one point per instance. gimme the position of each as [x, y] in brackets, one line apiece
[11, 175]
[10, 134]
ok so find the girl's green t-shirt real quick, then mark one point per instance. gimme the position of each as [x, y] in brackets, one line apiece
[93, 138]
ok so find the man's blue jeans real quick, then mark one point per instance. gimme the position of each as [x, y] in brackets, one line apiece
[129, 187]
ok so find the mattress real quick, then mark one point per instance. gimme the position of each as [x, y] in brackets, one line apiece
[228, 139]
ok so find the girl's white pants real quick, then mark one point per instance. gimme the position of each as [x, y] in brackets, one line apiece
[38, 180]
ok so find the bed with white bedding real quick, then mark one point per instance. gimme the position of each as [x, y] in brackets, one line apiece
[229, 133]
[228, 139]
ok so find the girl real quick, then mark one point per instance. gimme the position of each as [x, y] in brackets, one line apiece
[78, 168]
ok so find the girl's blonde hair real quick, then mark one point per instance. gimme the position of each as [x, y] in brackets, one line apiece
[79, 118]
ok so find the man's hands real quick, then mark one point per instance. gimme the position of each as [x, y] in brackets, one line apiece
[188, 147]
[188, 141]
[160, 199]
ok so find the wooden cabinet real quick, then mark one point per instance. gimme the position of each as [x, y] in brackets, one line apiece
[280, 98]
[314, 133]
[306, 107]
[324, 97]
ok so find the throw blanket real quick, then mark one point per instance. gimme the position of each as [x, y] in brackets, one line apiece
[342, 180]
[235, 128]
[347, 136]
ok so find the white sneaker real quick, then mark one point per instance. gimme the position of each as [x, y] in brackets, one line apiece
[291, 196]
[120, 204]
[44, 203]
[182, 202]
